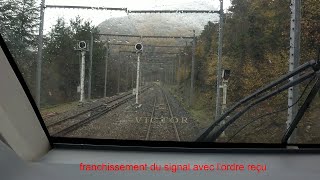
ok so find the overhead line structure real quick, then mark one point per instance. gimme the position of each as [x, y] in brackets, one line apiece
[87, 7]
[133, 52]
[133, 11]
[149, 45]
[139, 36]
[173, 11]
[44, 6]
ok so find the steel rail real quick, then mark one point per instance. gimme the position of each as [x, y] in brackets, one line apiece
[171, 114]
[150, 122]
[95, 116]
[86, 111]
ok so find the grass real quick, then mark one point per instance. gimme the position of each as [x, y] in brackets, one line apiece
[59, 108]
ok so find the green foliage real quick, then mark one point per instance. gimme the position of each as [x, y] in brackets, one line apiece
[61, 64]
[255, 49]
[255, 44]
[19, 23]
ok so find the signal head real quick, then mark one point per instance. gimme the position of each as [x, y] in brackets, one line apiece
[139, 47]
[82, 45]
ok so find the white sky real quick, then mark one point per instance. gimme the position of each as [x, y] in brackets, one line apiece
[98, 16]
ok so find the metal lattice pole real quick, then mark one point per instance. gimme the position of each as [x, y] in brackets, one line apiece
[218, 108]
[106, 72]
[192, 67]
[119, 66]
[294, 61]
[39, 58]
[127, 76]
[90, 66]
[179, 69]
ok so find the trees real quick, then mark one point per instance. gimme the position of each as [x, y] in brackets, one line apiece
[19, 22]
[255, 47]
[61, 61]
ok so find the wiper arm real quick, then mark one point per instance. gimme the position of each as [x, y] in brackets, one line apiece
[301, 111]
[312, 64]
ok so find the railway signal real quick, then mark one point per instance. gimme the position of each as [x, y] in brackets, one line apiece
[82, 47]
[138, 47]
[226, 74]
[224, 87]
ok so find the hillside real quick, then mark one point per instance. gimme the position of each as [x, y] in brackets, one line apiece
[157, 24]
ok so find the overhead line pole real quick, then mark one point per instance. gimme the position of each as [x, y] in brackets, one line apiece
[179, 66]
[119, 66]
[218, 108]
[39, 58]
[127, 77]
[293, 92]
[90, 66]
[192, 67]
[106, 71]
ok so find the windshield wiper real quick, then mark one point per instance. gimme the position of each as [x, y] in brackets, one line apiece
[207, 135]
[302, 110]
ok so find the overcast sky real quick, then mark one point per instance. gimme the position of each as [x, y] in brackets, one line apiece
[98, 16]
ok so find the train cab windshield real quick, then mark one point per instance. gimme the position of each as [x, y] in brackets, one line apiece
[169, 71]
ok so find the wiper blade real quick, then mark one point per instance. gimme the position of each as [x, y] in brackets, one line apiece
[301, 111]
[312, 64]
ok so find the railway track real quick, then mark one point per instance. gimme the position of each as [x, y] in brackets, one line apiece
[86, 111]
[74, 122]
[162, 123]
